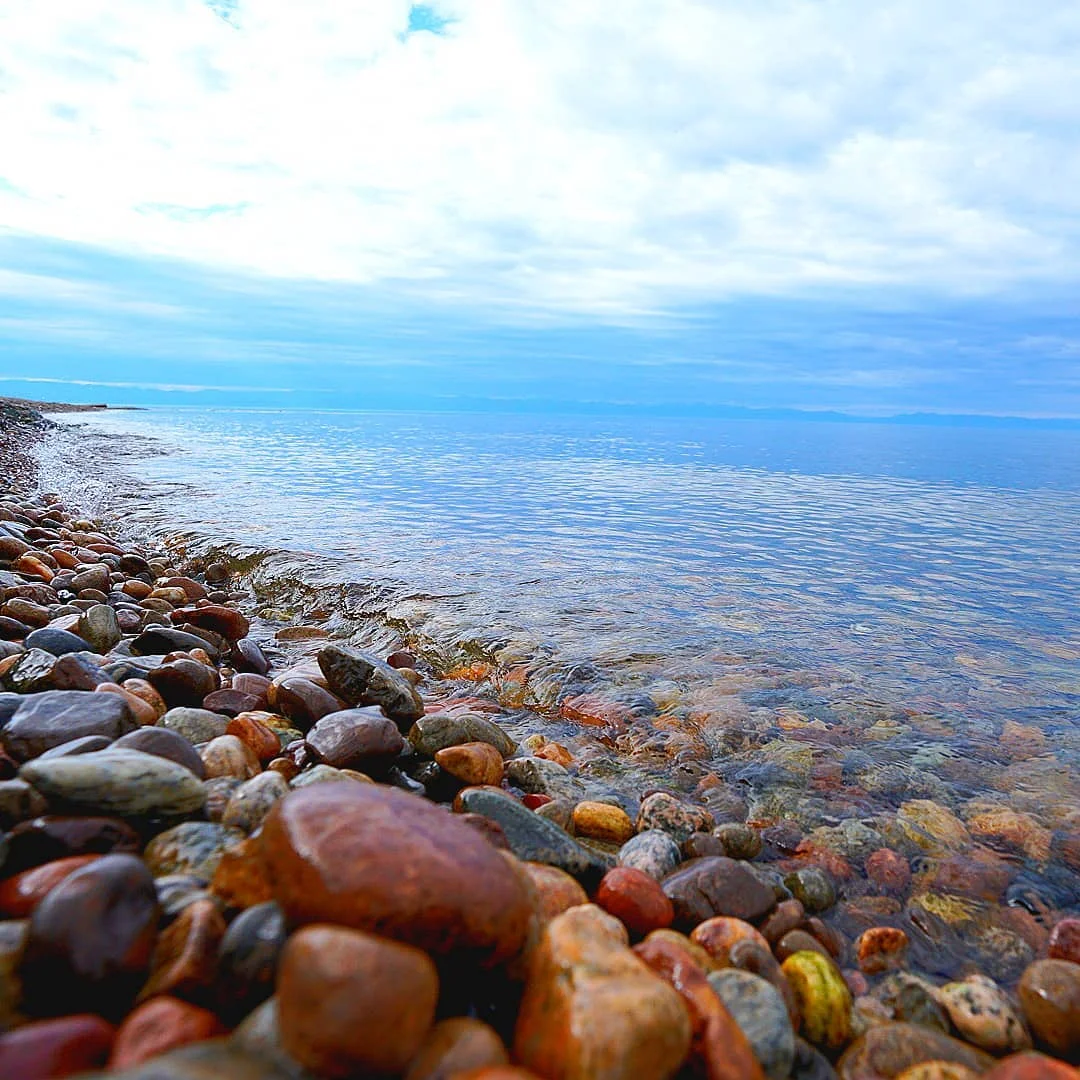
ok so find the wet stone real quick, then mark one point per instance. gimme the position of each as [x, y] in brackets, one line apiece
[99, 626]
[158, 1026]
[912, 1000]
[538, 776]
[61, 1047]
[58, 642]
[195, 725]
[91, 939]
[31, 673]
[186, 955]
[812, 887]
[230, 702]
[248, 958]
[253, 800]
[1031, 1066]
[653, 851]
[377, 859]
[534, 839]
[357, 739]
[183, 682]
[888, 1050]
[302, 701]
[740, 841]
[226, 621]
[127, 783]
[703, 888]
[19, 801]
[22, 892]
[86, 745]
[161, 640]
[1050, 995]
[984, 1016]
[164, 743]
[176, 892]
[45, 839]
[1065, 941]
[439, 730]
[824, 1000]
[759, 1010]
[455, 1046]
[50, 719]
[671, 815]
[219, 791]
[636, 900]
[193, 848]
[350, 1003]
[229, 756]
[361, 679]
[476, 763]
[556, 891]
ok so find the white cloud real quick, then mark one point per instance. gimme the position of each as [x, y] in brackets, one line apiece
[564, 154]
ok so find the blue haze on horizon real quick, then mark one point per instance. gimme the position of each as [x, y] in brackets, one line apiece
[435, 207]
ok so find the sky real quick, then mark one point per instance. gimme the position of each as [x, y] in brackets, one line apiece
[543, 204]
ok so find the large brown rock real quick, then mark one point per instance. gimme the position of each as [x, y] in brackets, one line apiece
[592, 1009]
[379, 859]
[350, 1003]
[1050, 994]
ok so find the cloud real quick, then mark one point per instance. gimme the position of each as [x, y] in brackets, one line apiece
[560, 156]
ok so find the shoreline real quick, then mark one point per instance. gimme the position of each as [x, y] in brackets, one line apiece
[522, 894]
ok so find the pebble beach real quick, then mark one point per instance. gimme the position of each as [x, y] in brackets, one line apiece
[233, 850]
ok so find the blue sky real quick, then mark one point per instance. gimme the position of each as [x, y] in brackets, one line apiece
[692, 206]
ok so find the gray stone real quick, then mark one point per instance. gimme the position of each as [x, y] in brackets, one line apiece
[440, 730]
[99, 626]
[193, 848]
[195, 725]
[759, 1010]
[165, 744]
[159, 640]
[538, 776]
[252, 801]
[653, 851]
[55, 641]
[360, 679]
[31, 673]
[703, 888]
[126, 783]
[19, 802]
[55, 717]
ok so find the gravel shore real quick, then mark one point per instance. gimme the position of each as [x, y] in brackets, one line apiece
[343, 865]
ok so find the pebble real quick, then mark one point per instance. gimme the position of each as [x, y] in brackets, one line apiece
[358, 739]
[91, 939]
[556, 891]
[824, 1000]
[159, 1025]
[99, 626]
[475, 763]
[361, 679]
[654, 852]
[183, 682]
[984, 1016]
[252, 800]
[1064, 941]
[740, 841]
[703, 888]
[592, 1008]
[19, 801]
[455, 1046]
[377, 859]
[888, 1050]
[53, 1048]
[350, 1003]
[21, 893]
[636, 899]
[760, 1012]
[719, 935]
[672, 816]
[55, 641]
[909, 998]
[43, 839]
[1030, 1066]
[534, 839]
[602, 821]
[437, 731]
[50, 719]
[229, 756]
[248, 958]
[164, 743]
[1050, 995]
[185, 957]
[128, 783]
[812, 887]
[226, 621]
[881, 948]
[251, 729]
[193, 848]
[195, 725]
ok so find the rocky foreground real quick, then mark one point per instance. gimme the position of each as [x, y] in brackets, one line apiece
[214, 869]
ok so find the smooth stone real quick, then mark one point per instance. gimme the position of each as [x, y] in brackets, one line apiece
[704, 888]
[538, 776]
[636, 900]
[13, 934]
[183, 682]
[186, 955]
[91, 939]
[29, 673]
[473, 763]
[533, 839]
[455, 1046]
[229, 756]
[881, 948]
[912, 1000]
[193, 848]
[219, 791]
[252, 729]
[671, 815]
[593, 1008]
[887, 1050]
[230, 702]
[602, 821]
[719, 936]
[127, 783]
[812, 887]
[161, 640]
[176, 892]
[22, 892]
[164, 743]
[45, 839]
[327, 774]
[984, 1016]
[1064, 941]
[86, 745]
[437, 731]
[655, 852]
[824, 1000]
[53, 1048]
[195, 725]
[58, 642]
[303, 701]
[351, 1003]
[246, 656]
[759, 1010]
[144, 714]
[799, 941]
[253, 800]
[212, 1059]
[361, 679]
[810, 1063]
[99, 626]
[1050, 995]
[1031, 1066]
[248, 958]
[158, 1026]
[19, 801]
[555, 890]
[55, 717]
[377, 859]
[226, 621]
[740, 841]
[357, 739]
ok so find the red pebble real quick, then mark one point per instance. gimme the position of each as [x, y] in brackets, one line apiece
[888, 871]
[21, 893]
[162, 1023]
[1065, 941]
[635, 898]
[1030, 1065]
[534, 802]
[55, 1048]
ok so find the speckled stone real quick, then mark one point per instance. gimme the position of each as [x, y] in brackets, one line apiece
[887, 1050]
[252, 801]
[908, 998]
[127, 783]
[195, 725]
[984, 1016]
[740, 841]
[653, 851]
[432, 733]
[759, 1010]
[678, 819]
[194, 848]
[361, 679]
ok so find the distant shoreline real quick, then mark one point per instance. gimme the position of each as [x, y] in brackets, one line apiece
[62, 406]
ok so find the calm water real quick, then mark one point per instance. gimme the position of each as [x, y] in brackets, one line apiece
[725, 573]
